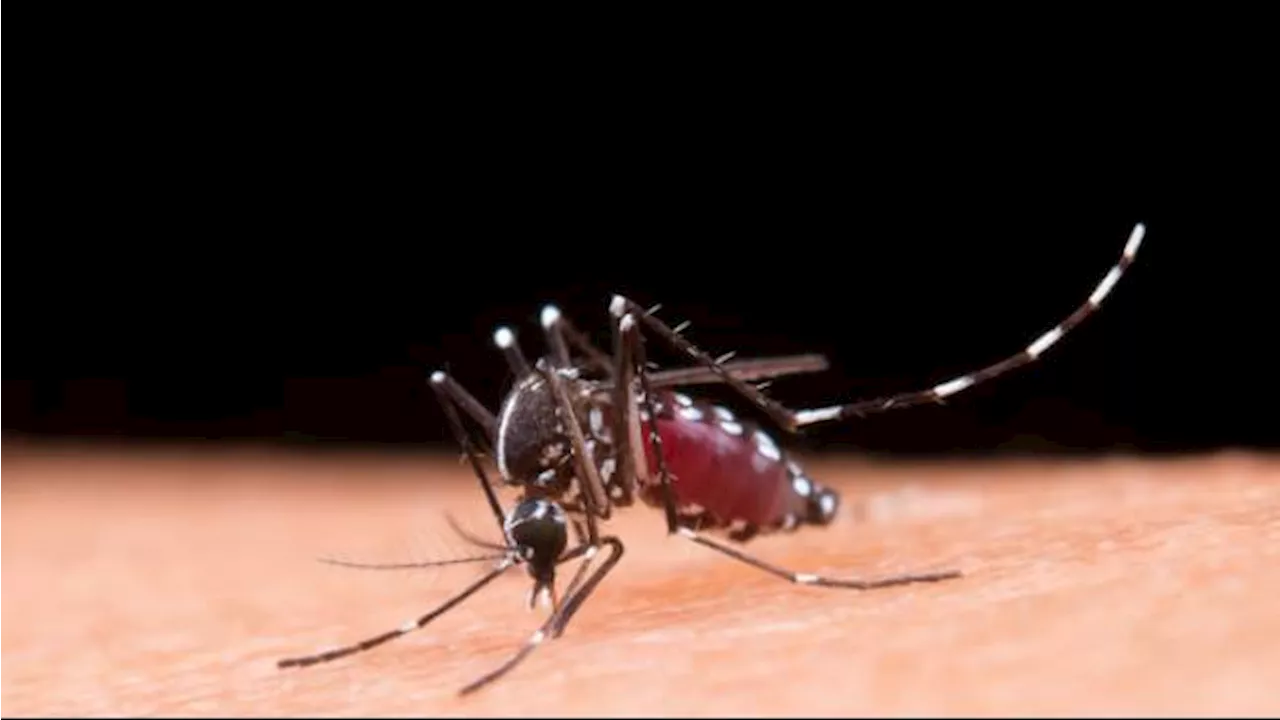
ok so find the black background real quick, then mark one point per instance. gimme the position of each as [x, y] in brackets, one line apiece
[283, 253]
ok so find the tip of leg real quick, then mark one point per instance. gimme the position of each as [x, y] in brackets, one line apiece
[618, 305]
[1135, 239]
[437, 377]
[470, 689]
[550, 316]
[504, 338]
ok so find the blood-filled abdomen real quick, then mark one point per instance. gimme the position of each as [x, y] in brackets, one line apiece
[734, 471]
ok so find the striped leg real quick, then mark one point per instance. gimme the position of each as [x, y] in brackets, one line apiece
[405, 629]
[793, 420]
[555, 625]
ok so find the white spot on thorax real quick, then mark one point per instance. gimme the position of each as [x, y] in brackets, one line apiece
[551, 453]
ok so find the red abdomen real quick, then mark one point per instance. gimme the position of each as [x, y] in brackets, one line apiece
[733, 470]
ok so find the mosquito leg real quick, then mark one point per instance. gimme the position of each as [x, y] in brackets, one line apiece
[745, 370]
[405, 629]
[810, 579]
[628, 447]
[505, 340]
[554, 625]
[594, 496]
[411, 565]
[561, 333]
[630, 334]
[792, 420]
[448, 391]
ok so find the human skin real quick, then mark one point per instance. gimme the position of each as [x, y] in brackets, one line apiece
[170, 583]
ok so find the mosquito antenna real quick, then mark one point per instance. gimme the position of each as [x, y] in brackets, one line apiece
[405, 629]
[412, 565]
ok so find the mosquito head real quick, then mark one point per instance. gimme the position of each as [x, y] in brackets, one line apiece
[539, 531]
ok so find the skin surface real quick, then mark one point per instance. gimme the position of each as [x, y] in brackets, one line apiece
[169, 584]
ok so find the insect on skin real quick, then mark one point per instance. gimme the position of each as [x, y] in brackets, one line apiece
[584, 432]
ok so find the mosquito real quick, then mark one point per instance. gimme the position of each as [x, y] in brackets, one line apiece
[584, 432]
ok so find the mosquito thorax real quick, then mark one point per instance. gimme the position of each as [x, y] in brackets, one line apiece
[533, 446]
[539, 531]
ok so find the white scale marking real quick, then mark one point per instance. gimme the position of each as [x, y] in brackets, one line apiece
[691, 413]
[1104, 287]
[732, 428]
[550, 316]
[766, 447]
[504, 338]
[504, 420]
[723, 414]
[806, 578]
[409, 626]
[801, 485]
[951, 387]
[618, 305]
[684, 400]
[828, 503]
[1135, 239]
[1045, 341]
[437, 377]
[805, 417]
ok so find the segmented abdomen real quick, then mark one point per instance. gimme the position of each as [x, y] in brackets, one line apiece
[732, 469]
